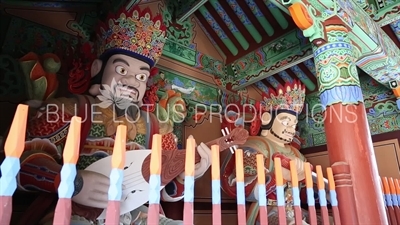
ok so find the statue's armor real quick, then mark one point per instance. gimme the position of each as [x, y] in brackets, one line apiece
[47, 132]
[253, 146]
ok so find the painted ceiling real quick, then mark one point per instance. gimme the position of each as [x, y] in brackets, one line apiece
[238, 28]
[252, 35]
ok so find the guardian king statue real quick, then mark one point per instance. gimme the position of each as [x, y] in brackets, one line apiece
[128, 45]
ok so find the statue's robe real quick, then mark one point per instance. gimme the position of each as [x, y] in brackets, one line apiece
[47, 131]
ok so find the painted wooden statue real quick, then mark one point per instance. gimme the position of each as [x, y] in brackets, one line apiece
[278, 130]
[128, 46]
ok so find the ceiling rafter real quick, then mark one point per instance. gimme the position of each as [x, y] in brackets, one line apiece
[279, 79]
[291, 74]
[252, 18]
[236, 20]
[266, 83]
[240, 27]
[308, 73]
[222, 24]
[267, 13]
[213, 34]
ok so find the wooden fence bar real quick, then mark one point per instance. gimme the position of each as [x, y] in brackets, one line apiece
[116, 177]
[394, 198]
[385, 201]
[310, 194]
[241, 202]
[333, 195]
[216, 186]
[189, 181]
[14, 146]
[262, 200]
[298, 215]
[322, 196]
[280, 192]
[66, 188]
[389, 202]
[155, 181]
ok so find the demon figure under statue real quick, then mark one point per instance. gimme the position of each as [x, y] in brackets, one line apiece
[278, 129]
[129, 44]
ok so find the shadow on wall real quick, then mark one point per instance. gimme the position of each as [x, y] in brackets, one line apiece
[380, 103]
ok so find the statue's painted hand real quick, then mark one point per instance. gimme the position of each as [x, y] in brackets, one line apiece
[204, 164]
[91, 189]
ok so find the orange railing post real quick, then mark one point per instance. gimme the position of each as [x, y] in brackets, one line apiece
[63, 211]
[14, 146]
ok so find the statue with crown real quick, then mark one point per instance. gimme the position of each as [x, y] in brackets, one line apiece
[274, 131]
[109, 83]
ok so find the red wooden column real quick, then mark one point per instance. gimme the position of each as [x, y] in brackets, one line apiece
[348, 136]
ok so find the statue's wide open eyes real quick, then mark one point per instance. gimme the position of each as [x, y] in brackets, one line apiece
[121, 70]
[141, 77]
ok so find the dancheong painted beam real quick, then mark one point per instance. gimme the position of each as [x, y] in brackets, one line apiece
[376, 53]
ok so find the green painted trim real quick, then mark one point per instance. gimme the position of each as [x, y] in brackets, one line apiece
[179, 53]
[372, 45]
[288, 43]
[183, 75]
[387, 15]
[192, 103]
[377, 63]
[178, 58]
[364, 48]
[191, 11]
[228, 43]
[264, 75]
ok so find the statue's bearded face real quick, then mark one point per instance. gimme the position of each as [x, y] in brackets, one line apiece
[130, 76]
[284, 127]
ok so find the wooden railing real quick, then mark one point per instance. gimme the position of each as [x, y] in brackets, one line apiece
[14, 146]
[391, 195]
